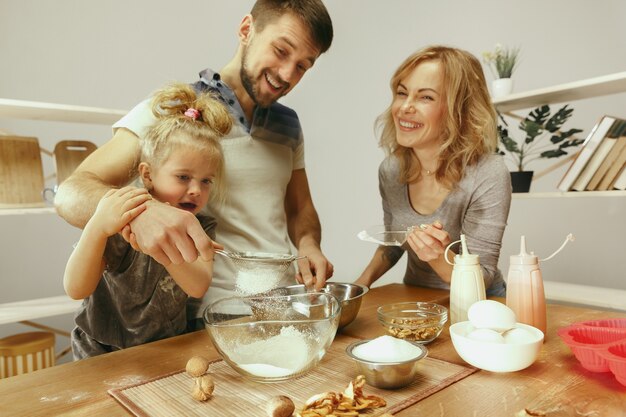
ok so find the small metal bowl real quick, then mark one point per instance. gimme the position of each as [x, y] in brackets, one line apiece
[387, 375]
[349, 295]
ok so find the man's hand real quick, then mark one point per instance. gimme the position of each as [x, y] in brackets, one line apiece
[315, 269]
[169, 235]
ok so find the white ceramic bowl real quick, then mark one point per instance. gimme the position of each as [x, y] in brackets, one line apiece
[496, 357]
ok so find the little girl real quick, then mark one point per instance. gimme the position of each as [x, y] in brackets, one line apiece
[130, 298]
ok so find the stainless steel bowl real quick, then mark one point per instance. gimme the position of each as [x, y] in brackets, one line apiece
[349, 295]
[388, 375]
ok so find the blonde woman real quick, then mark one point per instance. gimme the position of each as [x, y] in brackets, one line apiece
[441, 174]
[129, 298]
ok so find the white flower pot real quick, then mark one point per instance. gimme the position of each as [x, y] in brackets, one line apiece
[501, 87]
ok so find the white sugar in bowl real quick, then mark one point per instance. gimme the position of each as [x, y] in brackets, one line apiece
[385, 363]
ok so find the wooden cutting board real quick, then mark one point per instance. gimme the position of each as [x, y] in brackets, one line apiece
[21, 172]
[68, 154]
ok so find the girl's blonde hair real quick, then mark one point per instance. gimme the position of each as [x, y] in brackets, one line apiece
[187, 119]
[469, 123]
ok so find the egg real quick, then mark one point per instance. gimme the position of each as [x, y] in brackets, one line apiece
[489, 314]
[486, 335]
[518, 336]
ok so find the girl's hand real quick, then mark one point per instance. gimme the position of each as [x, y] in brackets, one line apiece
[118, 207]
[429, 241]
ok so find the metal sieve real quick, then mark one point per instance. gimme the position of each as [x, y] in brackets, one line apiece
[277, 262]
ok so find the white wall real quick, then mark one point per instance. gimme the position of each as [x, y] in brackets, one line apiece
[112, 54]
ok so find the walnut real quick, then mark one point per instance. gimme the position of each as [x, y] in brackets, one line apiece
[197, 366]
[203, 388]
[280, 406]
[429, 329]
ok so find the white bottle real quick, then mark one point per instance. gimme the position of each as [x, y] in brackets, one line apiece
[524, 293]
[467, 285]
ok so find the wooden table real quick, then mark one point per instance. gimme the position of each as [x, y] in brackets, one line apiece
[555, 384]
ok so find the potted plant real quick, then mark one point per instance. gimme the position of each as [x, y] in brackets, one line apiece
[501, 62]
[543, 138]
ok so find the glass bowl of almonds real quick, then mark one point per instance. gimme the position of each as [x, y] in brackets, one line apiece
[417, 321]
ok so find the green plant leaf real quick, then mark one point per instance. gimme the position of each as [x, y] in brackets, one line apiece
[559, 118]
[509, 144]
[542, 131]
[571, 143]
[532, 129]
[539, 115]
[562, 135]
[555, 153]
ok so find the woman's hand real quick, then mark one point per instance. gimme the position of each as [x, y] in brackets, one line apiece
[429, 241]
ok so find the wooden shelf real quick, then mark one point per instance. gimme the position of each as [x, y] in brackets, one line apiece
[26, 210]
[34, 110]
[578, 90]
[571, 194]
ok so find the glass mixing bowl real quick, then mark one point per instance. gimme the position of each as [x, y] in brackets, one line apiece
[273, 338]
[418, 321]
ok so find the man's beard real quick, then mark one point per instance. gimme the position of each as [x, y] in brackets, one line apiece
[246, 80]
[248, 83]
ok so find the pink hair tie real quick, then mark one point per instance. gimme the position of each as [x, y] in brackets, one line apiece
[193, 113]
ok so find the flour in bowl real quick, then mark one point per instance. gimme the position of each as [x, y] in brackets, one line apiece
[280, 355]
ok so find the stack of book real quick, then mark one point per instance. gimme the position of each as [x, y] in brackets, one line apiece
[600, 163]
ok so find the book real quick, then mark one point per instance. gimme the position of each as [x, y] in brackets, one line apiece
[601, 152]
[613, 172]
[611, 157]
[620, 183]
[594, 163]
[588, 147]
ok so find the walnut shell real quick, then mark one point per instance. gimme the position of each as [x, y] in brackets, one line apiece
[203, 388]
[280, 406]
[197, 366]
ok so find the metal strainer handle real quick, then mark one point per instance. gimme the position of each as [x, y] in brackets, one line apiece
[249, 259]
[240, 255]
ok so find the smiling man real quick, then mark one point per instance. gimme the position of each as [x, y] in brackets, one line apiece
[268, 202]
